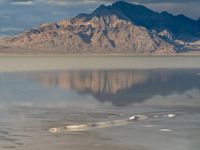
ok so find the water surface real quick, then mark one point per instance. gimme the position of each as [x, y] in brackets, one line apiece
[31, 102]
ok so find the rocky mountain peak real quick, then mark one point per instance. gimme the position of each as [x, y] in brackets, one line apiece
[100, 10]
[120, 2]
[119, 28]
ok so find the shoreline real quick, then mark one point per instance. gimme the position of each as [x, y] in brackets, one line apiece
[50, 52]
[101, 54]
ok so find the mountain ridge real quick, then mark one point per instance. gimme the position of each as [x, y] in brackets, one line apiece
[118, 28]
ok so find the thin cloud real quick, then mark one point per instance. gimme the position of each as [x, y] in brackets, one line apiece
[111, 1]
[17, 2]
[27, 3]
[18, 14]
[99, 1]
[65, 2]
[191, 9]
[6, 29]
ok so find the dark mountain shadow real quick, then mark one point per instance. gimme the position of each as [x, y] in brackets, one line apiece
[176, 83]
[140, 15]
[180, 26]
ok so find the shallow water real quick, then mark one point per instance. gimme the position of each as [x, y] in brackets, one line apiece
[31, 102]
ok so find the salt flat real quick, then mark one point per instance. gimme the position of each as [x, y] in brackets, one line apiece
[73, 62]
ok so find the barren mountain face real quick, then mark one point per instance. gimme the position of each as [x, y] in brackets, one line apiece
[99, 34]
[108, 29]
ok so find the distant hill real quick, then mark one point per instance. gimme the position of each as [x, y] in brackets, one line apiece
[119, 28]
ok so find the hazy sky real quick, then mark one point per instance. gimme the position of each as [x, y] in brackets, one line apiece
[19, 15]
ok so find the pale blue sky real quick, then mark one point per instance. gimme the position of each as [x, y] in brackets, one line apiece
[19, 15]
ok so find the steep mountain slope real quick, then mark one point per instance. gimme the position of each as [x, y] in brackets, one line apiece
[179, 25]
[119, 28]
[101, 31]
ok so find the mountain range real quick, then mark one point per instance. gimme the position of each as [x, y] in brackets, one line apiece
[119, 28]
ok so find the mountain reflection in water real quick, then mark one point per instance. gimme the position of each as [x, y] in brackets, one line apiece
[122, 87]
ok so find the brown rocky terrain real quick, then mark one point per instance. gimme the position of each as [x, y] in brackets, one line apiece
[119, 28]
[102, 31]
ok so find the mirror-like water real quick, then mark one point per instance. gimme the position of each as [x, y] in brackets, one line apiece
[33, 102]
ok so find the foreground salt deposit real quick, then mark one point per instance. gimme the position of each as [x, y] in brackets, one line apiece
[106, 124]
